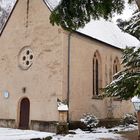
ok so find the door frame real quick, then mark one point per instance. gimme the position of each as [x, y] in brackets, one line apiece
[18, 111]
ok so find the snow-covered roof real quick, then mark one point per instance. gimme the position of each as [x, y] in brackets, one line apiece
[109, 33]
[52, 4]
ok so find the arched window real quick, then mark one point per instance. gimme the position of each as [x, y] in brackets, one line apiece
[116, 65]
[96, 74]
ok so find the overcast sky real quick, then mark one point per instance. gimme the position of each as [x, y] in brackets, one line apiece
[127, 12]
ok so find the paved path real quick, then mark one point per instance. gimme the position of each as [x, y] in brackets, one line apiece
[132, 135]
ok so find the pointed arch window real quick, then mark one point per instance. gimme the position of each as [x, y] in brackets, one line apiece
[116, 65]
[96, 74]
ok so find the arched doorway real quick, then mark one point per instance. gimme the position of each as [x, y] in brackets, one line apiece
[24, 113]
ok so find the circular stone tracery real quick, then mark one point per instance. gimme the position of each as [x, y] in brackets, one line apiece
[25, 58]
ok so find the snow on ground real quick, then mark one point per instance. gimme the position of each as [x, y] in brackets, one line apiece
[81, 135]
[120, 128]
[97, 134]
[17, 134]
[135, 99]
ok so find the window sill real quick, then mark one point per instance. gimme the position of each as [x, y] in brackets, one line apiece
[97, 97]
[117, 99]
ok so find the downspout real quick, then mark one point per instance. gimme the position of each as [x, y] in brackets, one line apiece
[68, 73]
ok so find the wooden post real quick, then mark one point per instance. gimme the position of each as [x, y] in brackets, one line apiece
[138, 118]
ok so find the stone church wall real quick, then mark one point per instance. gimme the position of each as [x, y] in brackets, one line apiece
[82, 99]
[31, 65]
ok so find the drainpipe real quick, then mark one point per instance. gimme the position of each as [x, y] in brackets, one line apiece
[68, 73]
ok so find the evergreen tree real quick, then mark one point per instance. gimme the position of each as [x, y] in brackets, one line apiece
[132, 26]
[126, 83]
[72, 14]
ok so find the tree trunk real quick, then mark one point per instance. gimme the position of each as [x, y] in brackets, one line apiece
[138, 4]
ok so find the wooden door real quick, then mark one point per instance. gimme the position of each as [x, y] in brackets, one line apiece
[24, 113]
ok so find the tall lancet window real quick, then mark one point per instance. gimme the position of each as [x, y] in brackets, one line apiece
[96, 74]
[116, 65]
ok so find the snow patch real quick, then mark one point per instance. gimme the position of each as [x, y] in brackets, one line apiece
[135, 99]
[62, 107]
[99, 133]
[120, 128]
[82, 135]
[17, 134]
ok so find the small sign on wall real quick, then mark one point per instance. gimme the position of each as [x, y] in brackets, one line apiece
[6, 94]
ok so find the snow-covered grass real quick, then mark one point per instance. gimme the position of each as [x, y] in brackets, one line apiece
[78, 134]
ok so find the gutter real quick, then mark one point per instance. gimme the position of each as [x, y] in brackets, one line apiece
[68, 74]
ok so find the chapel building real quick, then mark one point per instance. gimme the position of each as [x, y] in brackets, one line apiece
[43, 66]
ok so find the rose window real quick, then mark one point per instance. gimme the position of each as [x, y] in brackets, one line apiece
[26, 58]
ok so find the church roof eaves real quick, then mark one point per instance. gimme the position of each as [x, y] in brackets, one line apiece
[110, 33]
[48, 5]
[91, 38]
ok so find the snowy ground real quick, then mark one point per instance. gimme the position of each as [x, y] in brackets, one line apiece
[98, 134]
[16, 134]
